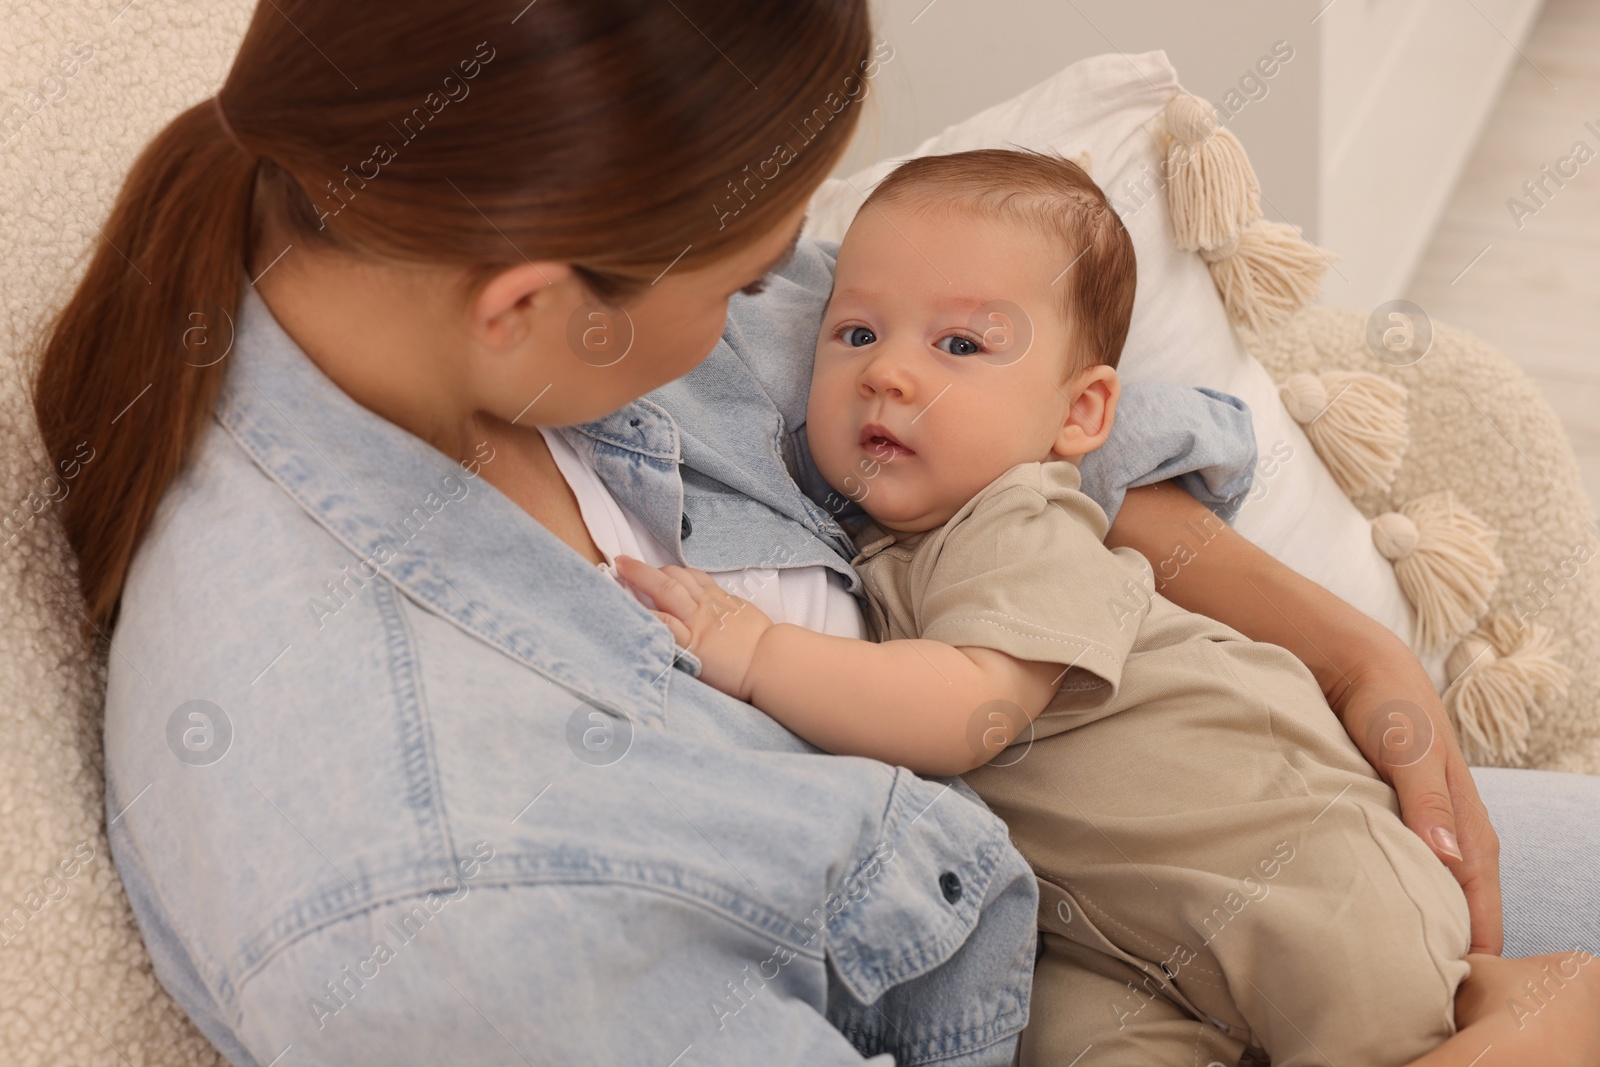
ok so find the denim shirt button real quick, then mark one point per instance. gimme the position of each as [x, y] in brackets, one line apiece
[686, 527]
[950, 886]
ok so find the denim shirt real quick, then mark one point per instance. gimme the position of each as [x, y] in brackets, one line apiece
[395, 777]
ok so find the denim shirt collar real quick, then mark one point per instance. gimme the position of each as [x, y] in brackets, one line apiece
[494, 572]
[643, 439]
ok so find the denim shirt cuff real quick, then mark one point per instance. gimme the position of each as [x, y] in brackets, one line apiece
[1201, 438]
[899, 919]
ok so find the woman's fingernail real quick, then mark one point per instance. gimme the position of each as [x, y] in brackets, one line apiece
[1445, 842]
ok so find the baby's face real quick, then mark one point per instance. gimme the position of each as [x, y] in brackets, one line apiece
[940, 363]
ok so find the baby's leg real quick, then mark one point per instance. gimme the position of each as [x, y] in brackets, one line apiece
[1226, 835]
[1091, 1010]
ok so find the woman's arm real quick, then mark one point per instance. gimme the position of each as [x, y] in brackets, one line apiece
[1372, 680]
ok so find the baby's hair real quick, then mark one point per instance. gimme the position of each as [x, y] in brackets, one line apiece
[1047, 194]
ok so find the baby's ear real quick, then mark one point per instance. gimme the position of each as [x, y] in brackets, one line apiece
[1093, 394]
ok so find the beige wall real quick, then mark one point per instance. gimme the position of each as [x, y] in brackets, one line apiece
[1358, 139]
[957, 57]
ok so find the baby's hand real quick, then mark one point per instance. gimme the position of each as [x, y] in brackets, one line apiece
[720, 628]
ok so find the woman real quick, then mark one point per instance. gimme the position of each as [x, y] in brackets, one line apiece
[395, 772]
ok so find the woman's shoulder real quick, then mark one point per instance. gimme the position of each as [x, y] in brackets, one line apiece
[225, 542]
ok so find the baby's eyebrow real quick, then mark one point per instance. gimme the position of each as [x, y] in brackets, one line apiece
[961, 303]
[948, 303]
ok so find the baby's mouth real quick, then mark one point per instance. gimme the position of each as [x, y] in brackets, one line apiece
[881, 443]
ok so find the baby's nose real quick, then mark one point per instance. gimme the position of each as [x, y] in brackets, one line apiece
[888, 373]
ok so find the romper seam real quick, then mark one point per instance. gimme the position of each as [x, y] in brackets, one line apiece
[1063, 637]
[1422, 926]
[1135, 934]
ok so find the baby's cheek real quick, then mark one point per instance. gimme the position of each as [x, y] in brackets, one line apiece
[827, 419]
[972, 458]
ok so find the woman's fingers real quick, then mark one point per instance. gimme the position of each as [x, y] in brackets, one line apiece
[1479, 872]
[1426, 807]
[1394, 713]
[1459, 834]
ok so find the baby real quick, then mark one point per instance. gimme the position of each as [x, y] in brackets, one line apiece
[1223, 878]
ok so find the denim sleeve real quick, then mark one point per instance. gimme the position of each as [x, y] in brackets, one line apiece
[1201, 438]
[620, 979]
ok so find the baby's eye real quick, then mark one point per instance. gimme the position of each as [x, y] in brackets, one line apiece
[964, 346]
[852, 335]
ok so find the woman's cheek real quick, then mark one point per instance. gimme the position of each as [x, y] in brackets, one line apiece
[701, 339]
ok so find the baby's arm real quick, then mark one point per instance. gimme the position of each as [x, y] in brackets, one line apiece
[924, 705]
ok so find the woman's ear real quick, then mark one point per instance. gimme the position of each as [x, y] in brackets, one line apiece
[1091, 406]
[503, 312]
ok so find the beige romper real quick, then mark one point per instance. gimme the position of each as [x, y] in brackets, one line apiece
[1223, 878]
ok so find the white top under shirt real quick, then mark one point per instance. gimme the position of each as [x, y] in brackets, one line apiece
[814, 597]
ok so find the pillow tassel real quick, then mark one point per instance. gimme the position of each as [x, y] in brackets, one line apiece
[1500, 678]
[1212, 192]
[1445, 562]
[1266, 274]
[1357, 423]
[1265, 271]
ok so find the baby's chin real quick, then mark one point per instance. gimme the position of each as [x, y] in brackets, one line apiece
[897, 512]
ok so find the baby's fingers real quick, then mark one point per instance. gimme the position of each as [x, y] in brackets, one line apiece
[680, 632]
[668, 592]
[693, 576]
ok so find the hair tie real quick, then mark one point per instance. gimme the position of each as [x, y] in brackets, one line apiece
[227, 127]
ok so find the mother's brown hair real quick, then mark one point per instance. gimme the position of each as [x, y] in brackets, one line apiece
[611, 134]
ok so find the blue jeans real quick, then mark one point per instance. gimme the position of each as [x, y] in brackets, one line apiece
[1549, 827]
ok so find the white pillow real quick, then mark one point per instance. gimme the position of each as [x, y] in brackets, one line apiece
[1110, 107]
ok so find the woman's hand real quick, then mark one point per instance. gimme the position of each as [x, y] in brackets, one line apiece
[1373, 682]
[1396, 718]
[718, 627]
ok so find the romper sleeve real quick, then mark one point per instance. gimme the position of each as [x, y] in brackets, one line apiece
[1202, 438]
[1026, 573]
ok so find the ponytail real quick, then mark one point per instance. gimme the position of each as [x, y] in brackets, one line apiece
[131, 365]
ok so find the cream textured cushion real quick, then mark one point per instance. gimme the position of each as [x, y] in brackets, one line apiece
[1481, 429]
[82, 89]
